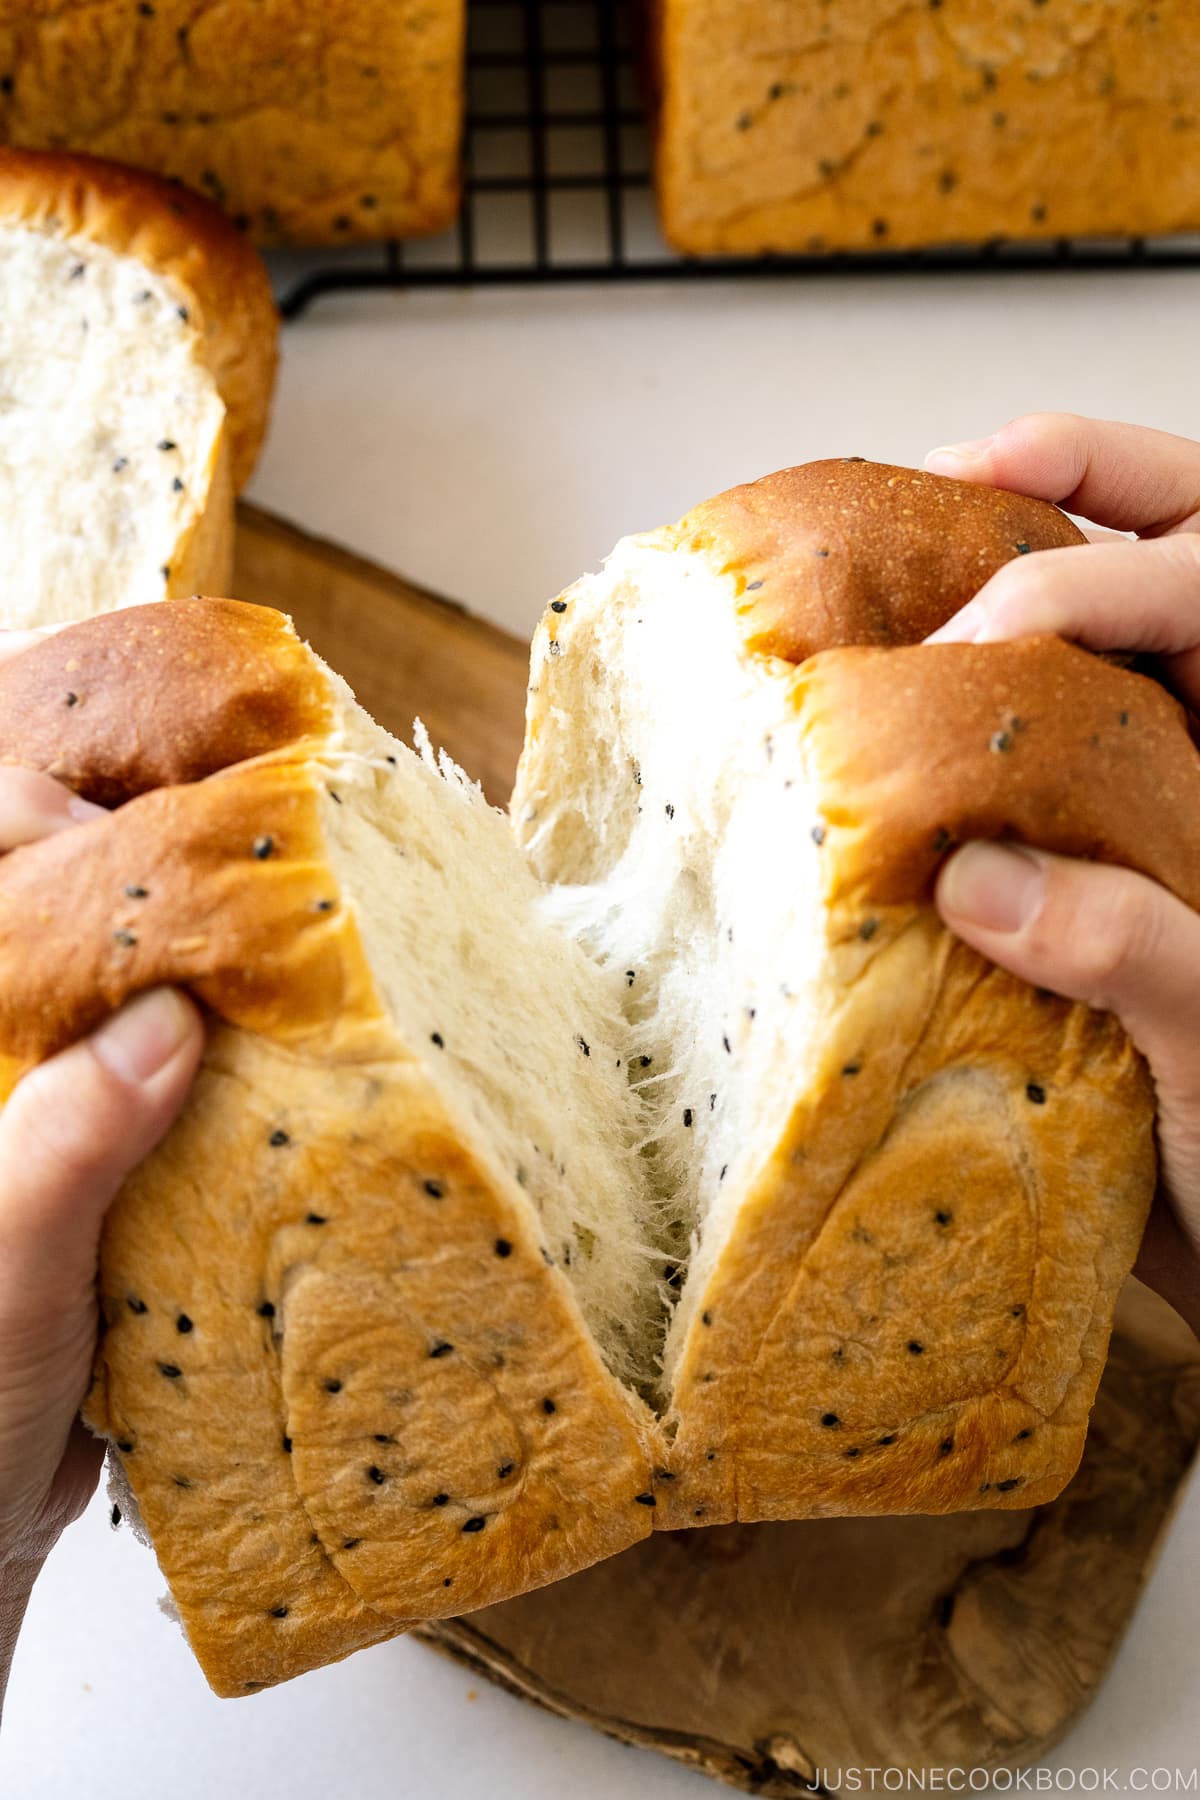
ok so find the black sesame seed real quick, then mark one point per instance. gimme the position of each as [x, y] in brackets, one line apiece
[376, 1475]
[630, 977]
[146, 9]
[502, 1247]
[6, 84]
[165, 571]
[475, 1524]
[830, 1420]
[286, 1441]
[584, 1046]
[945, 1447]
[183, 1324]
[278, 1612]
[752, 586]
[381, 1437]
[442, 1349]
[1000, 741]
[122, 462]
[333, 1387]
[1035, 1093]
[183, 314]
[1122, 718]
[434, 1189]
[334, 796]
[504, 1471]
[323, 906]
[947, 181]
[943, 1217]
[669, 810]
[115, 1515]
[136, 1306]
[645, 1500]
[126, 939]
[851, 1068]
[879, 228]
[172, 1371]
[315, 1218]
[278, 1138]
[888, 1438]
[1017, 1312]
[915, 1349]
[133, 892]
[644, 1062]
[944, 1610]
[1022, 548]
[852, 1452]
[167, 444]
[124, 1446]
[548, 1406]
[261, 848]
[435, 1037]
[687, 1115]
[818, 834]
[724, 1171]
[867, 929]
[1006, 1487]
[1026, 1432]
[706, 1318]
[558, 606]
[177, 485]
[440, 1500]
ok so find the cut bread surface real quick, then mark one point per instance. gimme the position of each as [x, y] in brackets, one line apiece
[111, 428]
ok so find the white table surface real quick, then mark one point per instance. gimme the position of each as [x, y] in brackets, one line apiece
[490, 446]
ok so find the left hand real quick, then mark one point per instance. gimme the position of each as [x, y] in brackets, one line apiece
[72, 1130]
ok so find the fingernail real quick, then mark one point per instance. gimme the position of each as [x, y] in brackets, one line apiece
[961, 629]
[143, 1037]
[994, 886]
[968, 451]
[83, 810]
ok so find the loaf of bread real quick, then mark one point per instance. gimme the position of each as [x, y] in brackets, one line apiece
[797, 126]
[308, 122]
[666, 1166]
[137, 354]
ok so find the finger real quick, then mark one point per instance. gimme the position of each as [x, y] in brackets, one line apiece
[72, 1130]
[33, 805]
[1111, 938]
[1124, 476]
[1115, 596]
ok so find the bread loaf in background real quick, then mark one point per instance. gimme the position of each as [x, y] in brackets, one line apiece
[799, 126]
[137, 355]
[307, 121]
[652, 1159]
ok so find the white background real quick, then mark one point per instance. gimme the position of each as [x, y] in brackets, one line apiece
[490, 446]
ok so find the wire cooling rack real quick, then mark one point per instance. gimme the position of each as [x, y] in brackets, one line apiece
[557, 183]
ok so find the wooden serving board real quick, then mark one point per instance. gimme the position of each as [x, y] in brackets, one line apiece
[769, 1654]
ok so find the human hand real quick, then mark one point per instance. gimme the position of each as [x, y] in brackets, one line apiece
[70, 1133]
[1099, 934]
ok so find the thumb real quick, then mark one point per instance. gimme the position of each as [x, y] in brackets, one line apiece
[1121, 943]
[70, 1133]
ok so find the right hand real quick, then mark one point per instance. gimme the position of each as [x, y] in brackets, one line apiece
[1095, 933]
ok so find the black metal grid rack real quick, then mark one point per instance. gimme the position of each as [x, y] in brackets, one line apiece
[557, 181]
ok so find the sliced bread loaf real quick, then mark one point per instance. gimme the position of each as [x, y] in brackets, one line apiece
[137, 353]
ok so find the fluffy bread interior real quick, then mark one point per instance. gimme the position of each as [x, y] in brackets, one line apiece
[520, 1030]
[110, 427]
[682, 854]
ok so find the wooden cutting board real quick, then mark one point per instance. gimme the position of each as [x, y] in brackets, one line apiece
[774, 1656]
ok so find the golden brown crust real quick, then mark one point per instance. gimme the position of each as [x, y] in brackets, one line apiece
[919, 749]
[98, 705]
[308, 124]
[852, 552]
[808, 128]
[221, 281]
[374, 1414]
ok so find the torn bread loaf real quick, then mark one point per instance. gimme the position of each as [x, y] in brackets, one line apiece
[137, 354]
[308, 123]
[668, 1166]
